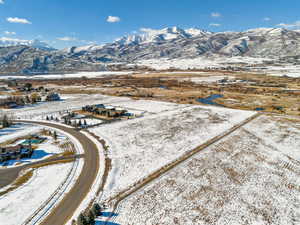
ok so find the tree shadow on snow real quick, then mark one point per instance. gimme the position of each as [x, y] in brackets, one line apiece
[105, 223]
[108, 214]
[39, 154]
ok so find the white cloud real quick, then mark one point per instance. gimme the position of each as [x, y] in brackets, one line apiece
[1, 1]
[9, 33]
[18, 20]
[67, 39]
[113, 19]
[267, 19]
[147, 30]
[19, 41]
[291, 25]
[215, 24]
[216, 15]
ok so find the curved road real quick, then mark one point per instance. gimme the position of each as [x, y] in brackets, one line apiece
[67, 206]
[9, 175]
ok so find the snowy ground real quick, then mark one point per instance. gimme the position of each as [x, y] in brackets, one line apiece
[89, 121]
[70, 102]
[208, 79]
[199, 63]
[287, 70]
[18, 130]
[141, 146]
[202, 63]
[147, 106]
[18, 205]
[73, 75]
[250, 177]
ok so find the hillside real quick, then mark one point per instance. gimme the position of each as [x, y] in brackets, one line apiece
[171, 43]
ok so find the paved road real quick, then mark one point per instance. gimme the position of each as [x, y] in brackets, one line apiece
[9, 175]
[65, 209]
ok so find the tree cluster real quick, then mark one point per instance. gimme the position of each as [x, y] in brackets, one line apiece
[5, 121]
[88, 217]
[21, 100]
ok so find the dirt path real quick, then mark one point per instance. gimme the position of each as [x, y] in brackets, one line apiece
[115, 200]
[68, 205]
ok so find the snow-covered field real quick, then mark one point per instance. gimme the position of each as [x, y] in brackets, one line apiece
[70, 102]
[140, 146]
[72, 75]
[250, 177]
[76, 101]
[147, 106]
[202, 63]
[18, 205]
[18, 130]
[208, 79]
[199, 63]
[288, 70]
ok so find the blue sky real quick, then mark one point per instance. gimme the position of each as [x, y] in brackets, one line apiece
[65, 23]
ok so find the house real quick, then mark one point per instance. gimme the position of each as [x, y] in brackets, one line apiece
[53, 96]
[107, 111]
[34, 139]
[15, 152]
[93, 108]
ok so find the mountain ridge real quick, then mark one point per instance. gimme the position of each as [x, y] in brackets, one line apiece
[172, 43]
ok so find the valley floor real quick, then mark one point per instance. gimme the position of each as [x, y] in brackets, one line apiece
[248, 176]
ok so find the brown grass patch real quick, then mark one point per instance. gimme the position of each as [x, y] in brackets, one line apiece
[19, 182]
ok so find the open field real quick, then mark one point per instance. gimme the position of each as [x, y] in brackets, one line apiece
[140, 146]
[250, 177]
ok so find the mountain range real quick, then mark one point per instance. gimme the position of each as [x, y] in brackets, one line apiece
[172, 43]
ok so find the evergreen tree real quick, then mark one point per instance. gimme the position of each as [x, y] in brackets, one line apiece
[51, 117]
[65, 120]
[85, 123]
[96, 209]
[91, 218]
[5, 121]
[47, 117]
[79, 123]
[81, 220]
[55, 135]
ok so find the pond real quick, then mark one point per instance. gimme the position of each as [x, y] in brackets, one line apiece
[210, 100]
[259, 109]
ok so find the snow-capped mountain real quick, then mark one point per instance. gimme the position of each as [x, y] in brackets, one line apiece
[6, 42]
[155, 36]
[171, 43]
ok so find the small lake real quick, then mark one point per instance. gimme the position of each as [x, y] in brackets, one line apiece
[210, 100]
